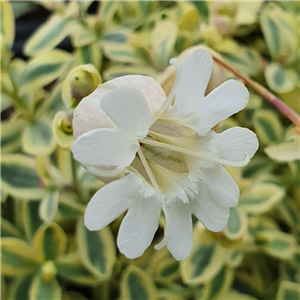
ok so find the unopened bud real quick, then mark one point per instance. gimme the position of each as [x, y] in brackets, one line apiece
[63, 130]
[48, 270]
[80, 82]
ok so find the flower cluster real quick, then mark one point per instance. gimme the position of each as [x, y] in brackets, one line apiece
[159, 155]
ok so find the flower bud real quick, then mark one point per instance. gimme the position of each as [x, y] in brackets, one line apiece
[63, 130]
[80, 82]
[48, 270]
[222, 16]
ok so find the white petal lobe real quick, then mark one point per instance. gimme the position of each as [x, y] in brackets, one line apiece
[180, 229]
[105, 147]
[128, 109]
[139, 226]
[234, 143]
[112, 200]
[195, 74]
[224, 101]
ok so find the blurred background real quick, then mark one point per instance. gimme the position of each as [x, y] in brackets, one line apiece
[46, 251]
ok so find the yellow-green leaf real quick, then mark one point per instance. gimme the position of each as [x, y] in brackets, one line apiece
[218, 284]
[46, 37]
[267, 126]
[260, 198]
[286, 151]
[279, 79]
[20, 288]
[10, 135]
[163, 39]
[136, 284]
[49, 205]
[280, 31]
[245, 61]
[37, 138]
[97, 250]
[237, 224]
[7, 24]
[19, 177]
[17, 257]
[8, 229]
[30, 217]
[43, 290]
[71, 268]
[203, 264]
[288, 291]
[73, 296]
[49, 242]
[42, 70]
[277, 244]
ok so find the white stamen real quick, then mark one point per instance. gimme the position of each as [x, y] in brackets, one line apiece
[198, 154]
[148, 170]
[175, 62]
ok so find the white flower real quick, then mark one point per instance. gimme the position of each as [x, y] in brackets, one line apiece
[162, 155]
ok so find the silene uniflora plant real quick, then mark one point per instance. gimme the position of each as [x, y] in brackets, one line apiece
[171, 130]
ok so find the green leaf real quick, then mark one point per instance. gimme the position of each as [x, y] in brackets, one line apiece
[41, 289]
[89, 54]
[42, 70]
[237, 224]
[260, 198]
[288, 291]
[163, 40]
[286, 151]
[20, 288]
[49, 242]
[277, 244]
[97, 250]
[10, 135]
[146, 7]
[246, 61]
[7, 24]
[38, 138]
[267, 126]
[166, 270]
[73, 296]
[218, 284]
[136, 284]
[280, 31]
[16, 257]
[8, 229]
[19, 177]
[204, 263]
[50, 34]
[202, 7]
[71, 268]
[31, 217]
[279, 79]
[49, 206]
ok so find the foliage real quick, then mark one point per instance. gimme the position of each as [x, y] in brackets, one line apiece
[47, 253]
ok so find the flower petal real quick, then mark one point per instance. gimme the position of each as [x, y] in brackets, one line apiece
[139, 226]
[89, 115]
[128, 109]
[224, 101]
[217, 192]
[105, 147]
[179, 229]
[112, 200]
[194, 77]
[234, 143]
